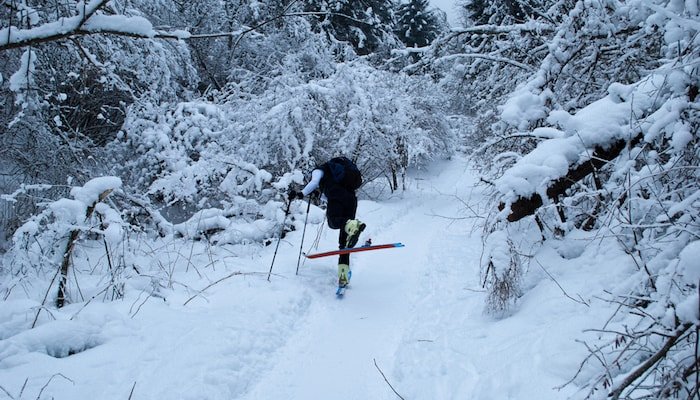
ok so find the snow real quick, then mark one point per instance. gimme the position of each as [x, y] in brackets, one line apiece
[96, 22]
[203, 322]
[599, 124]
[689, 262]
[91, 191]
[24, 77]
[523, 106]
[118, 23]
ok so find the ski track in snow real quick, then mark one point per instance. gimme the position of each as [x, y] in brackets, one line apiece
[333, 353]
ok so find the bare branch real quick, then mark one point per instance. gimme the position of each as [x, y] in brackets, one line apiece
[486, 57]
[581, 301]
[386, 380]
[615, 394]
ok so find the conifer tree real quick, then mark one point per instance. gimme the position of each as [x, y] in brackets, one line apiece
[480, 12]
[365, 24]
[416, 25]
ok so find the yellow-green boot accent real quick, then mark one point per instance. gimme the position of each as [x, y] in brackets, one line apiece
[353, 228]
[343, 271]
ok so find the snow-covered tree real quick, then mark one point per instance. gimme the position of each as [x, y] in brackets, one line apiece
[71, 69]
[365, 24]
[416, 25]
[472, 61]
[203, 154]
[481, 12]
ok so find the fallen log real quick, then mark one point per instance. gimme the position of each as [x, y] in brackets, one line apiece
[524, 206]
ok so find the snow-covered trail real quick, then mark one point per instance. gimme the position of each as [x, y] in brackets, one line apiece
[417, 311]
[333, 353]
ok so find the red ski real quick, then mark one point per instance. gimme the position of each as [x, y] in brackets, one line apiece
[354, 250]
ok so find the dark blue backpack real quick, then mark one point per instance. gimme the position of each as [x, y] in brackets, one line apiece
[344, 172]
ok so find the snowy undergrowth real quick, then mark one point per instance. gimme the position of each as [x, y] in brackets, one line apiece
[210, 306]
[624, 169]
[201, 321]
[231, 151]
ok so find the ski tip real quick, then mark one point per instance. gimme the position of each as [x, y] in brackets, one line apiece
[399, 245]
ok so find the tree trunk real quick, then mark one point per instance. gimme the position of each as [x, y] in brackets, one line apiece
[65, 263]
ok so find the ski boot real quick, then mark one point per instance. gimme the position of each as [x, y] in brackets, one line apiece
[353, 228]
[344, 274]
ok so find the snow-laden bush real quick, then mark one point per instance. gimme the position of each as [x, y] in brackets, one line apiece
[503, 272]
[63, 99]
[43, 247]
[208, 155]
[623, 164]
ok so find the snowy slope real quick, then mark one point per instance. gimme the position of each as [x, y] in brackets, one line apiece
[415, 311]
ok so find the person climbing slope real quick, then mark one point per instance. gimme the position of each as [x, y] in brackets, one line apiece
[338, 179]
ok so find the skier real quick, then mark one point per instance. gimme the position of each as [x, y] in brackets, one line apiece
[338, 178]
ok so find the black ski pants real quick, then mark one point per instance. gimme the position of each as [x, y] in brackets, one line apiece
[342, 206]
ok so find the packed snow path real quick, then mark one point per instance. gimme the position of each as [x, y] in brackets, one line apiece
[333, 353]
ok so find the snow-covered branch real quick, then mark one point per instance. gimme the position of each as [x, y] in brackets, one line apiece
[88, 22]
[488, 57]
[529, 27]
[527, 204]
[135, 27]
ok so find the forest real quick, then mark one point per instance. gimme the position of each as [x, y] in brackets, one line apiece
[134, 121]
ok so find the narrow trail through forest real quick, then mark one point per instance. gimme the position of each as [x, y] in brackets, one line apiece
[333, 352]
[217, 329]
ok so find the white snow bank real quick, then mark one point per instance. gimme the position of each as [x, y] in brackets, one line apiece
[56, 339]
[211, 219]
[223, 226]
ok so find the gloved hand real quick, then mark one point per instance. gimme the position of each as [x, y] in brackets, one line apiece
[293, 194]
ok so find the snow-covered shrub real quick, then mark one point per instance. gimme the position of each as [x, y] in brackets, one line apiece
[43, 247]
[503, 272]
[208, 155]
[623, 163]
[64, 99]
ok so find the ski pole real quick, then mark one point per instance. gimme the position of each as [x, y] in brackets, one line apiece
[284, 220]
[303, 233]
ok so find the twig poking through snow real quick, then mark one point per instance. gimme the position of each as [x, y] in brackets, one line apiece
[580, 301]
[386, 380]
[49, 382]
[6, 392]
[132, 390]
